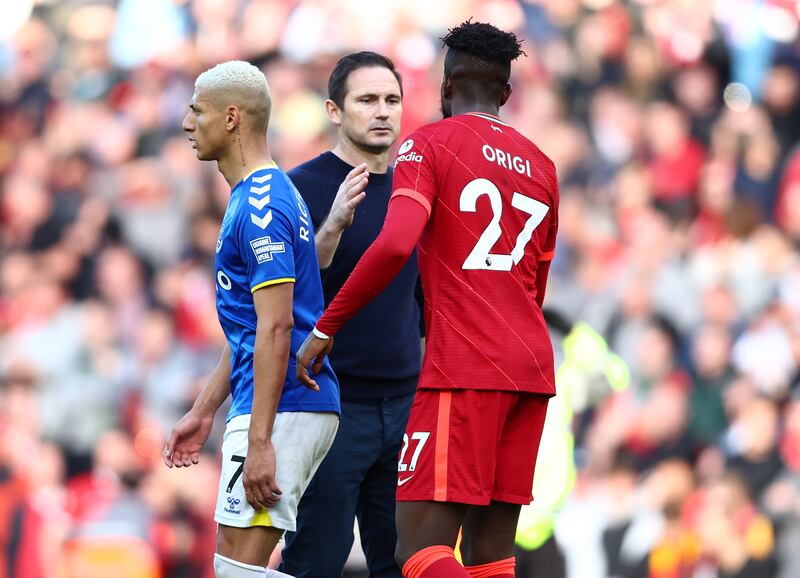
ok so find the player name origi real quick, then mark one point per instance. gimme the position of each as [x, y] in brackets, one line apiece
[507, 160]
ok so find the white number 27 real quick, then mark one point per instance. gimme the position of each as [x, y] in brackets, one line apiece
[420, 437]
[480, 257]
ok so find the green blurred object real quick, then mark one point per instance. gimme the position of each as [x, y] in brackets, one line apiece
[587, 372]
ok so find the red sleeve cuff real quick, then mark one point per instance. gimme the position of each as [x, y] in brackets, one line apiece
[325, 327]
[412, 194]
[547, 255]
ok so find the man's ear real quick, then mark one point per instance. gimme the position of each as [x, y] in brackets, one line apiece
[233, 118]
[334, 112]
[506, 93]
[447, 88]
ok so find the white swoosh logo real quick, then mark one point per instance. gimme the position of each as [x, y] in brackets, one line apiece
[401, 482]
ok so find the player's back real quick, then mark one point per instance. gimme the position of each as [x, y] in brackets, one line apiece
[493, 219]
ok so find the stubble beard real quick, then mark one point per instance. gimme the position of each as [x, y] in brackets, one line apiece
[369, 148]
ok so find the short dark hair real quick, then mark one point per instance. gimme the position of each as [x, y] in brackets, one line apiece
[337, 83]
[481, 54]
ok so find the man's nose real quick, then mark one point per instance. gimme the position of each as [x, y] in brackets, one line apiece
[187, 124]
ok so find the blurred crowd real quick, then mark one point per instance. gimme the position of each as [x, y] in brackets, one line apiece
[673, 124]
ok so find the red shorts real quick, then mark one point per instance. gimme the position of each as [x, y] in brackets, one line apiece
[471, 446]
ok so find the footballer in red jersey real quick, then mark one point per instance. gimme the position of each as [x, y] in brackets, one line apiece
[480, 202]
[491, 196]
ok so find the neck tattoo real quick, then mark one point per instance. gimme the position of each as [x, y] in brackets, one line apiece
[241, 150]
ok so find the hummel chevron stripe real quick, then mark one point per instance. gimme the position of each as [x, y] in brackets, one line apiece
[261, 222]
[260, 190]
[258, 203]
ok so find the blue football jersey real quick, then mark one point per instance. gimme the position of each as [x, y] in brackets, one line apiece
[267, 238]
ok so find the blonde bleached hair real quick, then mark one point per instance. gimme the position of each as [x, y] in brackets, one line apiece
[238, 83]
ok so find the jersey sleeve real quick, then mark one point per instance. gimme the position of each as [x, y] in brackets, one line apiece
[549, 249]
[266, 243]
[415, 170]
[405, 221]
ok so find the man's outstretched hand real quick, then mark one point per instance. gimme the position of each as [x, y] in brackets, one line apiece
[348, 197]
[186, 439]
[312, 352]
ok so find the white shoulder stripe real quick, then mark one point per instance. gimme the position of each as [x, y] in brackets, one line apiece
[258, 203]
[489, 118]
[260, 190]
[261, 222]
[262, 178]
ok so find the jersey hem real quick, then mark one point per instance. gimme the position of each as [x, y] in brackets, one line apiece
[326, 408]
[519, 499]
[548, 393]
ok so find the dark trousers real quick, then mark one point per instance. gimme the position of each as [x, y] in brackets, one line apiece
[357, 479]
[547, 561]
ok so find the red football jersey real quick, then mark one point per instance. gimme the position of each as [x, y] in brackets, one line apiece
[492, 196]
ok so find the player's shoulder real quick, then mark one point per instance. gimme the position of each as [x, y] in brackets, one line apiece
[533, 150]
[265, 189]
[543, 163]
[424, 140]
[418, 138]
[268, 181]
[439, 129]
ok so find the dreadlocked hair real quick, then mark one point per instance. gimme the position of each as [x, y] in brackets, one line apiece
[484, 41]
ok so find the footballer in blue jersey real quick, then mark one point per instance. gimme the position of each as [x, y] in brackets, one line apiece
[269, 295]
[267, 238]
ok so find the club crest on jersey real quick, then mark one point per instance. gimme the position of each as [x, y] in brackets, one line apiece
[264, 248]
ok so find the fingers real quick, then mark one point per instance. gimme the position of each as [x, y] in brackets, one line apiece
[169, 450]
[183, 459]
[262, 494]
[274, 490]
[301, 369]
[355, 201]
[305, 378]
[357, 171]
[316, 367]
[354, 182]
[253, 496]
[178, 459]
[356, 186]
[310, 349]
